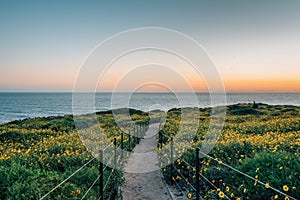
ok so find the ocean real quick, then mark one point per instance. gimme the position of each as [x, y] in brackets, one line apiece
[16, 106]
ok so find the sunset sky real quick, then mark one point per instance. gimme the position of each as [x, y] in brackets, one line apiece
[255, 45]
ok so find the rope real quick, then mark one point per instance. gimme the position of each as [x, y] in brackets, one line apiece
[107, 180]
[182, 192]
[187, 182]
[205, 179]
[107, 163]
[184, 179]
[67, 178]
[236, 170]
[176, 184]
[57, 186]
[90, 187]
[108, 146]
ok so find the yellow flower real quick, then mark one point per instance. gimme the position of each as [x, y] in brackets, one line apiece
[276, 196]
[286, 198]
[255, 183]
[285, 188]
[267, 185]
[72, 193]
[221, 195]
[227, 188]
[231, 195]
[189, 195]
[238, 198]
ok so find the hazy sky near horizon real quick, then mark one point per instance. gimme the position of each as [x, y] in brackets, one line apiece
[255, 44]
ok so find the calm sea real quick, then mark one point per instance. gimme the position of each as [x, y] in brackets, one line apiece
[14, 106]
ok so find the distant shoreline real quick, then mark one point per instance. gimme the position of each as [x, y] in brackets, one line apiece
[110, 110]
[15, 106]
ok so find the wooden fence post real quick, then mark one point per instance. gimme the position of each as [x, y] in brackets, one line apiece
[160, 139]
[101, 174]
[171, 166]
[197, 173]
[122, 146]
[115, 154]
[129, 142]
[137, 134]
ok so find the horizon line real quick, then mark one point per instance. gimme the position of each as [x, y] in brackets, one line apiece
[165, 92]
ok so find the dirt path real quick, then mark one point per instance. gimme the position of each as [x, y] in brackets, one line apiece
[142, 176]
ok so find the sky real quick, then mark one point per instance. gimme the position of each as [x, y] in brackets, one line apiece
[254, 44]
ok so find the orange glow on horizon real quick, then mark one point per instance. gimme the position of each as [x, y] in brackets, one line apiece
[231, 84]
[234, 84]
[262, 84]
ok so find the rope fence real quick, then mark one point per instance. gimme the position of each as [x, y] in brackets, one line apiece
[107, 183]
[192, 178]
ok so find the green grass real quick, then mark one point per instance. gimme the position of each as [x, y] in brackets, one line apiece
[38, 154]
[260, 140]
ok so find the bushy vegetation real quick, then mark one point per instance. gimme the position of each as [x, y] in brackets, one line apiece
[38, 154]
[262, 141]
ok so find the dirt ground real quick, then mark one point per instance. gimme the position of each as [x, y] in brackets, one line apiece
[142, 176]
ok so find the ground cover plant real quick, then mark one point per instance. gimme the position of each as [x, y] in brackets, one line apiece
[263, 141]
[38, 154]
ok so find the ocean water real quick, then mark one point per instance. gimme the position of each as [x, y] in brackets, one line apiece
[15, 106]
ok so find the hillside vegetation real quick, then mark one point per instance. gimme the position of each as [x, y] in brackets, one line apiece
[260, 140]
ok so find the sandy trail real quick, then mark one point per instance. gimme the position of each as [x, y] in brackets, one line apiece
[142, 176]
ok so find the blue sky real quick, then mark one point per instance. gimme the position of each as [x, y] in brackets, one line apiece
[43, 43]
